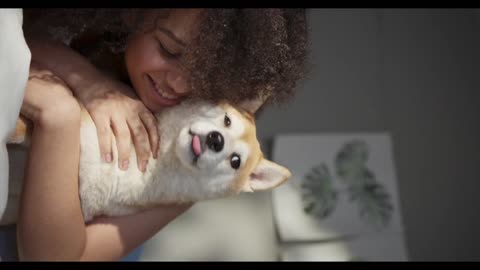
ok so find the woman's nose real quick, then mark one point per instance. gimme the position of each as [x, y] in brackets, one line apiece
[177, 82]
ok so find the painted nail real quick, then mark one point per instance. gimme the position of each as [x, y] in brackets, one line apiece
[144, 165]
[124, 165]
[107, 157]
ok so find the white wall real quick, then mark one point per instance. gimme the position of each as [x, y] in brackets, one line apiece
[431, 77]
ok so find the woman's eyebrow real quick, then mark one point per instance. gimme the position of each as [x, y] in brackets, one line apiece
[171, 35]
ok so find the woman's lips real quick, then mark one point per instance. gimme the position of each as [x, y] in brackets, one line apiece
[161, 96]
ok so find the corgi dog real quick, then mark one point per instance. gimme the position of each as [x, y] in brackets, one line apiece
[207, 151]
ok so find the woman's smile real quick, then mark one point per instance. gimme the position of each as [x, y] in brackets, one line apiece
[162, 94]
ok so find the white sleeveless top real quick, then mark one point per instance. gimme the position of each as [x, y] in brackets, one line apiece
[14, 68]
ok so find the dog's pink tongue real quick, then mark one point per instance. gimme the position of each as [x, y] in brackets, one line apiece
[197, 149]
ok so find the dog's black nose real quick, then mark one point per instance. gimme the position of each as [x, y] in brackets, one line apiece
[215, 141]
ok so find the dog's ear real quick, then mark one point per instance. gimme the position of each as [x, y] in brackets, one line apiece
[251, 105]
[266, 175]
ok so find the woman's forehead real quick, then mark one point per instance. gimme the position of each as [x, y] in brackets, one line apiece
[181, 22]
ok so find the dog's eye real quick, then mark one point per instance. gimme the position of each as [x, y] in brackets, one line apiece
[227, 121]
[235, 161]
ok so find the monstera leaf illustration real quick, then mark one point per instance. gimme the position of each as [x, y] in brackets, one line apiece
[365, 177]
[351, 160]
[372, 199]
[318, 194]
[373, 202]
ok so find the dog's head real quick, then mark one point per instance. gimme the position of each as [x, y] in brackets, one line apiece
[220, 146]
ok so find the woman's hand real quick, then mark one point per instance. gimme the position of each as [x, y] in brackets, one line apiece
[116, 111]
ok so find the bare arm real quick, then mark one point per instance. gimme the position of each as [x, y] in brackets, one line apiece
[50, 224]
[115, 109]
[50, 208]
[64, 62]
[46, 48]
[113, 238]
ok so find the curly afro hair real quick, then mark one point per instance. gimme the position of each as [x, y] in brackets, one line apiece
[240, 53]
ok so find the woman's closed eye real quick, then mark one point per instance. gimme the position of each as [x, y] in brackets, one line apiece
[164, 50]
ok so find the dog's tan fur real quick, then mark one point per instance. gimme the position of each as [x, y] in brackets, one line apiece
[22, 131]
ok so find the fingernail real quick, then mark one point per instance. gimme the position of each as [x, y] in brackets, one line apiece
[144, 165]
[107, 157]
[124, 165]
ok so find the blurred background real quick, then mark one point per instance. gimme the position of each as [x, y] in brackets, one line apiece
[414, 73]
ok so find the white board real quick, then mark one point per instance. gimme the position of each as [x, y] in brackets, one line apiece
[316, 205]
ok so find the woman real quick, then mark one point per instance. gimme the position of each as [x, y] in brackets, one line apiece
[124, 65]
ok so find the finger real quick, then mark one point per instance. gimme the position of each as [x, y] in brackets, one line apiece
[123, 138]
[104, 133]
[151, 123]
[140, 141]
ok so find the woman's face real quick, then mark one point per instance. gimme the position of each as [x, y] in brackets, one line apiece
[153, 58]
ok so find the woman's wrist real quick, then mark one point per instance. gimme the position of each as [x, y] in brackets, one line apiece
[65, 115]
[85, 83]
